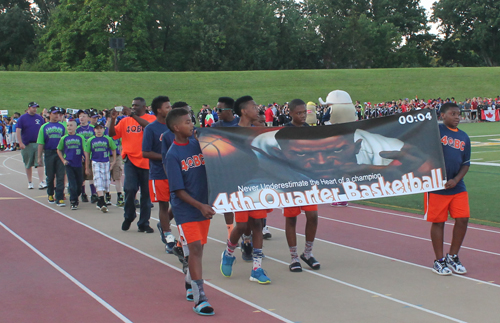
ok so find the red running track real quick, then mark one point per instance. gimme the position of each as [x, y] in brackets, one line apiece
[138, 287]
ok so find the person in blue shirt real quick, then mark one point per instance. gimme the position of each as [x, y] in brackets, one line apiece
[70, 151]
[49, 136]
[225, 114]
[97, 150]
[158, 182]
[454, 198]
[2, 133]
[189, 197]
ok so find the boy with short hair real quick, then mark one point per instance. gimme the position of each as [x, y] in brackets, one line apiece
[70, 151]
[97, 149]
[158, 182]
[49, 135]
[298, 113]
[246, 108]
[189, 197]
[454, 198]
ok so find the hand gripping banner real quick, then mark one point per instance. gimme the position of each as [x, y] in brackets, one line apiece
[274, 167]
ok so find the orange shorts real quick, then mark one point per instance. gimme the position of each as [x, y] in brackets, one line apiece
[194, 231]
[242, 216]
[291, 212]
[437, 206]
[159, 191]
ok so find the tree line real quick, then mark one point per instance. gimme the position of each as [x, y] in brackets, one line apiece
[224, 35]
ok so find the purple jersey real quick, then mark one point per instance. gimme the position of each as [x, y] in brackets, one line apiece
[30, 126]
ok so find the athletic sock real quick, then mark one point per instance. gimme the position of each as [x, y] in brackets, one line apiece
[229, 230]
[187, 278]
[101, 202]
[230, 248]
[247, 239]
[93, 191]
[257, 258]
[185, 250]
[294, 254]
[83, 189]
[166, 233]
[198, 292]
[308, 250]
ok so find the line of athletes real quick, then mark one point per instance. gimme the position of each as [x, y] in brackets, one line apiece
[169, 142]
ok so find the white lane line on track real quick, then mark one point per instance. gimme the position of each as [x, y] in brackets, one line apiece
[67, 275]
[278, 229]
[156, 259]
[405, 235]
[417, 307]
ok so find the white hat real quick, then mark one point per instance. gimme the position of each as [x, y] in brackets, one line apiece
[342, 109]
[337, 97]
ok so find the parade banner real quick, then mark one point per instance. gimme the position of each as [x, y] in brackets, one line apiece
[274, 167]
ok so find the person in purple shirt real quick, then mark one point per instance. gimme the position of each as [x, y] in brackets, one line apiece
[158, 182]
[97, 150]
[27, 129]
[49, 135]
[70, 151]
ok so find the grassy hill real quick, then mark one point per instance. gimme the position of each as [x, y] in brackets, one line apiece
[106, 89]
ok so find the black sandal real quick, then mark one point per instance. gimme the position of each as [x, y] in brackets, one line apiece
[295, 267]
[313, 263]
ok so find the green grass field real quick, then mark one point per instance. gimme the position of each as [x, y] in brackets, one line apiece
[481, 180]
[106, 89]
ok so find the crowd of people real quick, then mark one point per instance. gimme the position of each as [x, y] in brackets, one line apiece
[156, 148]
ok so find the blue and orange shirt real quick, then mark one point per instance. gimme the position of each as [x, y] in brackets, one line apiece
[186, 171]
[456, 151]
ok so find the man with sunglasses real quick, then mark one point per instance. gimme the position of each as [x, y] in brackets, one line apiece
[27, 129]
[225, 113]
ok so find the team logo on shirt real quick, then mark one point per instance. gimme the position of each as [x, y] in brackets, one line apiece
[134, 129]
[37, 121]
[453, 143]
[192, 162]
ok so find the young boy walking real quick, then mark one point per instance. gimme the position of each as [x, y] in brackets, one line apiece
[49, 136]
[246, 108]
[189, 197]
[70, 151]
[97, 150]
[298, 112]
[454, 198]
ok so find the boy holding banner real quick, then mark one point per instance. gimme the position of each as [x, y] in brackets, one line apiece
[187, 175]
[454, 198]
[246, 108]
[298, 112]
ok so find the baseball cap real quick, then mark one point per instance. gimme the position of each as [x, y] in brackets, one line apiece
[33, 105]
[55, 109]
[100, 124]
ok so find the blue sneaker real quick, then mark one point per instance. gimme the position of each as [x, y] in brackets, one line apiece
[158, 225]
[246, 251]
[226, 264]
[171, 242]
[259, 276]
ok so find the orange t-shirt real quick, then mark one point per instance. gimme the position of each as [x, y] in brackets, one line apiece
[131, 133]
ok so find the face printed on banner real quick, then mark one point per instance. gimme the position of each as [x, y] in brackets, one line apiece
[321, 157]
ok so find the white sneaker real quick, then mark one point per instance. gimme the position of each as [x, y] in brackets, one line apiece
[266, 233]
[30, 185]
[42, 185]
[454, 263]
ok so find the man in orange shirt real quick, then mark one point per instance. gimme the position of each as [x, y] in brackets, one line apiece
[130, 129]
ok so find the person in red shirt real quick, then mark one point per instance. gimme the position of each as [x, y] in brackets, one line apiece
[130, 129]
[269, 116]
